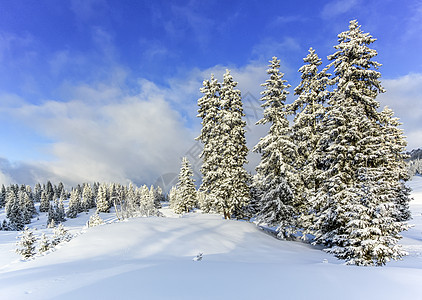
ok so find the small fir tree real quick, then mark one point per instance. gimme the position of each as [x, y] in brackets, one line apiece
[26, 244]
[60, 235]
[186, 189]
[44, 244]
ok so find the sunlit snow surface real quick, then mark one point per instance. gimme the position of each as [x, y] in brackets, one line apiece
[153, 258]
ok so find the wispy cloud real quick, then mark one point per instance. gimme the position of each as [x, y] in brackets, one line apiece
[282, 20]
[338, 7]
[85, 10]
[285, 50]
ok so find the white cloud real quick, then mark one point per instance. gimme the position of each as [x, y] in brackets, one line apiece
[124, 138]
[338, 7]
[106, 132]
[404, 96]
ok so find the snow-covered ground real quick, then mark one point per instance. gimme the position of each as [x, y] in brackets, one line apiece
[153, 258]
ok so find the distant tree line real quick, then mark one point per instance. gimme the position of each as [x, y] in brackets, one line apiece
[21, 202]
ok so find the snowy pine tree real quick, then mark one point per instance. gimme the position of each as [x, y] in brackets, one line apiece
[95, 220]
[59, 208]
[74, 204]
[49, 191]
[44, 244]
[185, 189]
[5, 226]
[395, 167]
[173, 197]
[353, 218]
[149, 204]
[86, 201]
[60, 235]
[309, 111]
[26, 244]
[45, 203]
[103, 204]
[37, 192]
[14, 211]
[231, 190]
[209, 111]
[2, 196]
[51, 216]
[278, 152]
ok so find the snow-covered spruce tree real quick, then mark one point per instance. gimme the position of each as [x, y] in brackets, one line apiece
[59, 209]
[149, 205]
[353, 218]
[51, 216]
[146, 202]
[103, 204]
[37, 192]
[395, 167]
[74, 204]
[209, 112]
[232, 191]
[10, 198]
[173, 197]
[309, 111]
[2, 196]
[26, 244]
[185, 189]
[14, 211]
[49, 191]
[60, 235]
[45, 203]
[158, 197]
[278, 152]
[44, 244]
[4, 226]
[86, 201]
[29, 201]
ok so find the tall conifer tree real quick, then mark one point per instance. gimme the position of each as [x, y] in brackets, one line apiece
[309, 111]
[275, 170]
[353, 217]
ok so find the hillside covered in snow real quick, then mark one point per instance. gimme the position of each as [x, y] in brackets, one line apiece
[155, 258]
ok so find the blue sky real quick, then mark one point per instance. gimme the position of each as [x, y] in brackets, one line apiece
[107, 90]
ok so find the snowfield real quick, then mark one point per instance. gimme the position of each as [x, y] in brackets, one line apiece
[153, 258]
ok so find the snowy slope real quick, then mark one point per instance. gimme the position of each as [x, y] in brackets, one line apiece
[152, 258]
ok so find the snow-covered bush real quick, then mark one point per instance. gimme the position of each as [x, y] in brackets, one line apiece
[94, 220]
[60, 235]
